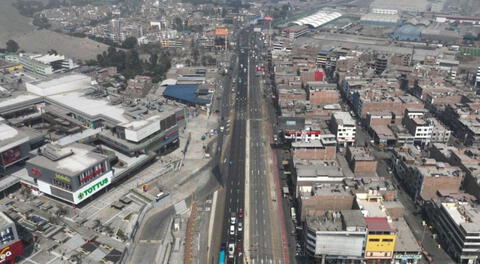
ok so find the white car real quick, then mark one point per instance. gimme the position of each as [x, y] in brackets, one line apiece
[231, 250]
[232, 230]
[240, 226]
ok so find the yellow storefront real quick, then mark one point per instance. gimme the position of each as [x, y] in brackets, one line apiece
[380, 246]
[380, 239]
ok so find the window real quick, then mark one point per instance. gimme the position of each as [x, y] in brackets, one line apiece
[374, 240]
[387, 240]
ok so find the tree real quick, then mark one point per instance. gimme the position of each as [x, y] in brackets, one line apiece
[12, 46]
[178, 24]
[153, 60]
[130, 43]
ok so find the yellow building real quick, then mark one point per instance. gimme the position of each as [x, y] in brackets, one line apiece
[380, 239]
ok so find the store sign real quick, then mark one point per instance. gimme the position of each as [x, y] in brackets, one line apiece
[62, 178]
[36, 172]
[406, 257]
[9, 253]
[93, 187]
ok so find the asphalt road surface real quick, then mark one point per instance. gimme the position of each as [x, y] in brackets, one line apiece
[234, 162]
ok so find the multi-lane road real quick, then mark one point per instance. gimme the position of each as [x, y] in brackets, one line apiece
[245, 166]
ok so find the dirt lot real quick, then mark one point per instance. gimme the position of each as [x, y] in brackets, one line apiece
[19, 28]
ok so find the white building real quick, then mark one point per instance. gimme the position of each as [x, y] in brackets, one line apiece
[343, 126]
[337, 236]
[45, 64]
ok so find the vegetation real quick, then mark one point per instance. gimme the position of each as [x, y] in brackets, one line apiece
[41, 22]
[28, 8]
[130, 43]
[12, 46]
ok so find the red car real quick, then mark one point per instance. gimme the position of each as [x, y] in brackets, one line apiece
[240, 213]
[239, 248]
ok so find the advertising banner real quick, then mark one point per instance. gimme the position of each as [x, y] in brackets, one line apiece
[9, 253]
[11, 155]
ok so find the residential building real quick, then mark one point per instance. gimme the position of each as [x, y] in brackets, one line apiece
[336, 236]
[139, 86]
[343, 126]
[361, 162]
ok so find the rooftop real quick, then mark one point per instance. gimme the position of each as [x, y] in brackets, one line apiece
[60, 84]
[377, 224]
[360, 153]
[406, 241]
[344, 118]
[11, 137]
[4, 220]
[351, 220]
[464, 215]
[69, 160]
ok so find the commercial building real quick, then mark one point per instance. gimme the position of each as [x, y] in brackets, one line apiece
[407, 250]
[71, 173]
[383, 20]
[380, 240]
[316, 149]
[44, 64]
[10, 246]
[322, 197]
[457, 226]
[343, 126]
[408, 32]
[15, 144]
[294, 32]
[336, 236]
[318, 19]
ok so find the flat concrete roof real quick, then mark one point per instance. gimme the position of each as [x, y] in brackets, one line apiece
[406, 241]
[4, 220]
[11, 137]
[69, 160]
[336, 220]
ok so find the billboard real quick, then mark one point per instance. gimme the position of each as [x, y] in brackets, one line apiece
[8, 253]
[11, 155]
[221, 31]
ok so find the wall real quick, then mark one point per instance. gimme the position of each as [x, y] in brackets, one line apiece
[364, 166]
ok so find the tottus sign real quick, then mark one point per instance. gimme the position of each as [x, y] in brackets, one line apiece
[92, 188]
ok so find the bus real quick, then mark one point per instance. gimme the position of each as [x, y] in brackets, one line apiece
[221, 256]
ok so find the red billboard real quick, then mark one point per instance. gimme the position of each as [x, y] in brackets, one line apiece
[11, 155]
[8, 253]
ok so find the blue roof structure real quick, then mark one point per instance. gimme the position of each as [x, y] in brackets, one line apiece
[184, 93]
[407, 32]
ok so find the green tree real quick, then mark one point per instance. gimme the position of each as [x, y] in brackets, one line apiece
[178, 24]
[12, 46]
[130, 43]
[153, 60]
